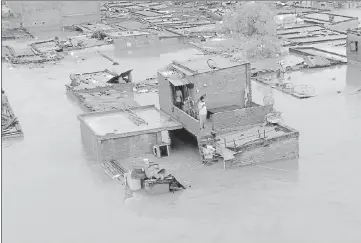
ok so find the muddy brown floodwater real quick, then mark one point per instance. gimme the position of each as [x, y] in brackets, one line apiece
[53, 192]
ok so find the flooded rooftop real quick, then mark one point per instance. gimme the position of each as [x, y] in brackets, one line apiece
[205, 64]
[121, 123]
[325, 17]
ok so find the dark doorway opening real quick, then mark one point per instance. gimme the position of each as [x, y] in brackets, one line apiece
[182, 138]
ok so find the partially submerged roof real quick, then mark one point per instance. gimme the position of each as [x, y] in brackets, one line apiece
[119, 123]
[131, 25]
[204, 65]
[148, 13]
[325, 17]
[119, 34]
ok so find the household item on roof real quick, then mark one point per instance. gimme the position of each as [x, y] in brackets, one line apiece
[153, 179]
[126, 76]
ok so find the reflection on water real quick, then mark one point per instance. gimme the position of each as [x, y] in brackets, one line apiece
[53, 192]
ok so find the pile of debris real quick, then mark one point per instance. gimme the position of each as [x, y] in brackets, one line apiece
[152, 179]
[141, 88]
[9, 124]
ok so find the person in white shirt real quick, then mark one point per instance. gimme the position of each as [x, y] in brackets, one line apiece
[179, 98]
[202, 109]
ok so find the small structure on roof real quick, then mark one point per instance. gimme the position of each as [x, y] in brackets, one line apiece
[237, 129]
[124, 133]
[353, 46]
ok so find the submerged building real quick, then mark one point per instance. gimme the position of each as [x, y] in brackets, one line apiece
[353, 46]
[238, 124]
[125, 133]
[48, 15]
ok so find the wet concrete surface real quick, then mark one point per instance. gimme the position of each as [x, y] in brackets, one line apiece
[121, 122]
[53, 191]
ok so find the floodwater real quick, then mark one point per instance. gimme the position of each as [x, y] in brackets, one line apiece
[54, 192]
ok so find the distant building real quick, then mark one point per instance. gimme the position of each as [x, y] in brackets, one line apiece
[130, 40]
[47, 15]
[353, 46]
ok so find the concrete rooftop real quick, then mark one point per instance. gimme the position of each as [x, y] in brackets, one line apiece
[120, 124]
[200, 65]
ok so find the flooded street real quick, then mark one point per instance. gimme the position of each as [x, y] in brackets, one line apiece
[53, 192]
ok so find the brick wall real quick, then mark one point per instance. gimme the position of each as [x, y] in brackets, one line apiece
[230, 120]
[90, 141]
[224, 87]
[134, 146]
[280, 149]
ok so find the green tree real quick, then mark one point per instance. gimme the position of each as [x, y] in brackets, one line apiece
[254, 27]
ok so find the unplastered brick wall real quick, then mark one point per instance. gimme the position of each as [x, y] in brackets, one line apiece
[223, 87]
[90, 141]
[121, 148]
[229, 120]
[276, 150]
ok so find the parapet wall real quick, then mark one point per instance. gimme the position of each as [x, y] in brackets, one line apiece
[231, 120]
[188, 122]
[280, 148]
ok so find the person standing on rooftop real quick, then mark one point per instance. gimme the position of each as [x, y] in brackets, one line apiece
[179, 98]
[202, 109]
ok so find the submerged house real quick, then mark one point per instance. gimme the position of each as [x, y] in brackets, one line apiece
[53, 15]
[128, 40]
[353, 46]
[237, 122]
[126, 133]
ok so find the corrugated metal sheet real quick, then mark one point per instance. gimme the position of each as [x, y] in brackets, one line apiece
[178, 81]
